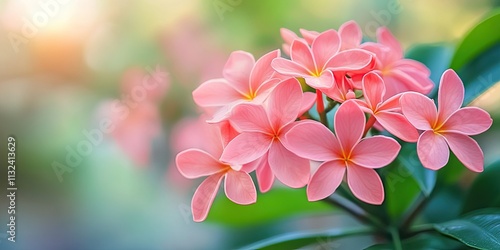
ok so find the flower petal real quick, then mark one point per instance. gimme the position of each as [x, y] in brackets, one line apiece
[246, 147]
[325, 180]
[365, 184]
[324, 47]
[373, 89]
[194, 163]
[432, 150]
[419, 110]
[204, 196]
[308, 100]
[375, 152]
[301, 54]
[385, 37]
[308, 35]
[284, 103]
[412, 65]
[324, 81]
[312, 140]
[216, 92]
[350, 60]
[391, 104]
[350, 35]
[237, 70]
[349, 125]
[450, 95]
[265, 175]
[397, 125]
[289, 68]
[239, 188]
[469, 121]
[409, 81]
[289, 168]
[262, 71]
[467, 151]
[288, 35]
[248, 117]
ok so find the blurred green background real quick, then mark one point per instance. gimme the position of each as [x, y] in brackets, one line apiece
[62, 61]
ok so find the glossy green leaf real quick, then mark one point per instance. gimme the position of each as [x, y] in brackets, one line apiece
[444, 204]
[480, 74]
[299, 239]
[424, 241]
[452, 171]
[425, 178]
[482, 37]
[277, 204]
[401, 189]
[479, 229]
[485, 191]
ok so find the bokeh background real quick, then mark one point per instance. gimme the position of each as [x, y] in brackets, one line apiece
[68, 68]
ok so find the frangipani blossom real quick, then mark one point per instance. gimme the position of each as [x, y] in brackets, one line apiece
[447, 126]
[262, 134]
[244, 81]
[346, 152]
[195, 163]
[317, 62]
[399, 74]
[385, 112]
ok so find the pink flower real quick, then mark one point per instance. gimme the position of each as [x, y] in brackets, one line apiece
[290, 36]
[195, 163]
[385, 112]
[262, 134]
[350, 35]
[399, 74]
[346, 152]
[316, 63]
[447, 126]
[244, 81]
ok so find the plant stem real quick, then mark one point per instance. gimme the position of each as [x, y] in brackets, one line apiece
[412, 214]
[396, 239]
[320, 107]
[420, 228]
[369, 124]
[331, 105]
[354, 210]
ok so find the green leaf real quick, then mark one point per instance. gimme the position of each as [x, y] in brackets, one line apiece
[401, 189]
[277, 204]
[445, 203]
[482, 37]
[436, 57]
[425, 178]
[485, 191]
[481, 74]
[479, 229]
[452, 171]
[299, 239]
[424, 241]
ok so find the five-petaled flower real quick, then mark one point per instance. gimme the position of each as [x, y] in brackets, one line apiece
[194, 163]
[449, 125]
[346, 152]
[262, 134]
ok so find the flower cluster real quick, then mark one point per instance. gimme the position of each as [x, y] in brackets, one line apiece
[262, 118]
